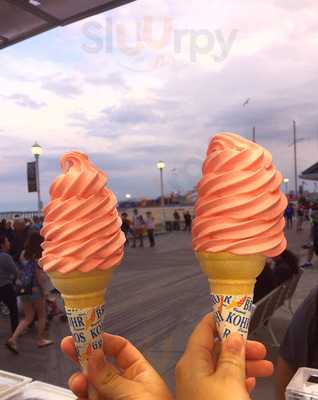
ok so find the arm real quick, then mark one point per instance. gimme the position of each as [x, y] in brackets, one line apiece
[10, 267]
[283, 376]
[41, 278]
[297, 345]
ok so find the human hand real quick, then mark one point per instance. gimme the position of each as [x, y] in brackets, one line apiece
[132, 377]
[211, 371]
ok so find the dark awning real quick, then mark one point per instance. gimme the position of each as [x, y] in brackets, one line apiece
[21, 19]
[310, 173]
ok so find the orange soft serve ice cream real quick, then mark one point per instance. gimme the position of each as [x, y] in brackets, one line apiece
[83, 244]
[240, 207]
[239, 222]
[82, 227]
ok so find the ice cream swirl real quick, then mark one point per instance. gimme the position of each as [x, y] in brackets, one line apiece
[240, 206]
[81, 225]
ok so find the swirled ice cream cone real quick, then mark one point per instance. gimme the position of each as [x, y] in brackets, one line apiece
[82, 247]
[239, 222]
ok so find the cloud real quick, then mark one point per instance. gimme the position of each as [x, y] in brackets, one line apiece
[24, 100]
[115, 120]
[63, 87]
[126, 119]
[114, 79]
[134, 114]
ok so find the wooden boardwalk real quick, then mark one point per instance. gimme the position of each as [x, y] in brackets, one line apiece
[155, 299]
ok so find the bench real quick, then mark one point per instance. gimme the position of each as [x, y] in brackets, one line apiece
[265, 308]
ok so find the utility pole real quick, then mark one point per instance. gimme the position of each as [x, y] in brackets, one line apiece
[254, 134]
[161, 165]
[295, 158]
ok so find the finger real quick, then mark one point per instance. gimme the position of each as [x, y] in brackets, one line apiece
[123, 351]
[255, 350]
[259, 369]
[250, 384]
[231, 363]
[78, 385]
[105, 378]
[118, 347]
[68, 348]
[198, 354]
[204, 334]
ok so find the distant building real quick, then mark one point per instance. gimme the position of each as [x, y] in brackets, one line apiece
[311, 173]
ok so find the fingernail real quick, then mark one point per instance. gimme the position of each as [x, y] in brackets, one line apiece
[235, 343]
[72, 378]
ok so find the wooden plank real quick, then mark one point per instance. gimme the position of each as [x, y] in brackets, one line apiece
[154, 300]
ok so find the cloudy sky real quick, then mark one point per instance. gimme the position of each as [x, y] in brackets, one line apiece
[154, 80]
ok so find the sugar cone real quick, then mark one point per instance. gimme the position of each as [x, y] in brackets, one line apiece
[84, 298]
[232, 279]
[82, 289]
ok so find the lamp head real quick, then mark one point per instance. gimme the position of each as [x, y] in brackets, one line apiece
[161, 164]
[37, 149]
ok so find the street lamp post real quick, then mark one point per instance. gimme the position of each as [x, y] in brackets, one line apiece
[254, 134]
[295, 158]
[37, 151]
[286, 180]
[161, 165]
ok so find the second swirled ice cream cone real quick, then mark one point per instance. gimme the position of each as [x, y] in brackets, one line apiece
[239, 222]
[83, 244]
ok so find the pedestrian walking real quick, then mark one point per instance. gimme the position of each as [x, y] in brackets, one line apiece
[187, 221]
[313, 247]
[301, 209]
[289, 216]
[8, 275]
[126, 227]
[3, 227]
[19, 237]
[32, 293]
[138, 229]
[176, 222]
[150, 226]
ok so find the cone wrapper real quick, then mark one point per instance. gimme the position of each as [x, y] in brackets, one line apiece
[232, 279]
[232, 313]
[86, 325]
[84, 299]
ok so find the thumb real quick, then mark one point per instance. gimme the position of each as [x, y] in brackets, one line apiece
[104, 376]
[231, 363]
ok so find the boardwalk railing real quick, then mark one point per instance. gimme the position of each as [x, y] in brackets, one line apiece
[15, 214]
[266, 307]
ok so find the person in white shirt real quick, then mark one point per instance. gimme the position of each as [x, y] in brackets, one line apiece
[150, 225]
[138, 228]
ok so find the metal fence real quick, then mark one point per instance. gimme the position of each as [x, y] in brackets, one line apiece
[16, 214]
